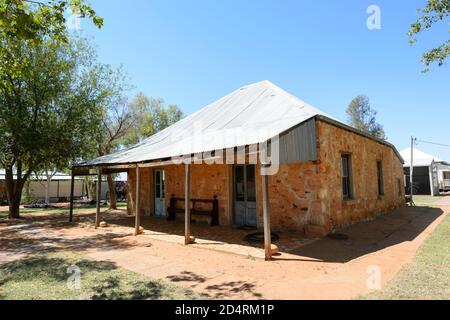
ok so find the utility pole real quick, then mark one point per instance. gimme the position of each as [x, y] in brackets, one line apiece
[411, 169]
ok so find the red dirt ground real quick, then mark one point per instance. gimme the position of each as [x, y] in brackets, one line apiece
[324, 269]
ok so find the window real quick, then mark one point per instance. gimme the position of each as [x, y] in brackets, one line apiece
[380, 178]
[446, 175]
[400, 188]
[346, 176]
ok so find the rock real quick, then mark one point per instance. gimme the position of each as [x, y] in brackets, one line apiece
[274, 249]
[103, 224]
[315, 231]
[141, 230]
[192, 239]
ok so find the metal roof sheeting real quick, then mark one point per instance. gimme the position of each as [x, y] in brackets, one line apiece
[250, 115]
[58, 176]
[420, 158]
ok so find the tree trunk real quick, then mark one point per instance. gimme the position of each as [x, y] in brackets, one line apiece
[112, 192]
[89, 188]
[13, 193]
[47, 189]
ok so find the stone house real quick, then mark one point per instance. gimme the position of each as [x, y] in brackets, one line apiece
[321, 173]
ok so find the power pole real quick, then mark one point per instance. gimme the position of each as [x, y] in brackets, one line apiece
[411, 169]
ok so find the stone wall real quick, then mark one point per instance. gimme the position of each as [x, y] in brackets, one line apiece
[304, 196]
[308, 196]
[207, 181]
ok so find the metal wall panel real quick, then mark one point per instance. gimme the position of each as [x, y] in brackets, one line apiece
[299, 144]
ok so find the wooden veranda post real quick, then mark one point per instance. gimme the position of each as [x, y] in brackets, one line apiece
[187, 215]
[266, 214]
[99, 195]
[72, 186]
[137, 224]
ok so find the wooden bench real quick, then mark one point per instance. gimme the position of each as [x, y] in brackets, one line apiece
[177, 206]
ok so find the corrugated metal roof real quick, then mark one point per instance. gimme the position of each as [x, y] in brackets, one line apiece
[58, 176]
[250, 115]
[420, 158]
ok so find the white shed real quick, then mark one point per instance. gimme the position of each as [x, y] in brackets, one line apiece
[431, 174]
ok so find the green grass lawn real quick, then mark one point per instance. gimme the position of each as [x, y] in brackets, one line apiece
[428, 276]
[425, 200]
[26, 211]
[45, 276]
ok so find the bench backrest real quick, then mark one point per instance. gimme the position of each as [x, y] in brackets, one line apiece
[174, 202]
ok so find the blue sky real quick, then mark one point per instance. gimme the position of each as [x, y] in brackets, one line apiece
[193, 52]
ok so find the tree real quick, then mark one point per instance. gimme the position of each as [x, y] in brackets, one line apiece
[434, 12]
[151, 116]
[117, 119]
[46, 113]
[361, 116]
[139, 109]
[43, 113]
[45, 179]
[37, 20]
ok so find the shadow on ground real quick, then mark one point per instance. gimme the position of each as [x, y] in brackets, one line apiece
[398, 226]
[217, 291]
[384, 231]
[46, 234]
[46, 277]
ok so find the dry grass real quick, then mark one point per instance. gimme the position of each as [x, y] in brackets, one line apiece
[428, 276]
[45, 276]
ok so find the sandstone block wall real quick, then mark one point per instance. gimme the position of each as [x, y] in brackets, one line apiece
[304, 196]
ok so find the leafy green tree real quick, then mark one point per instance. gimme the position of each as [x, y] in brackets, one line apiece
[361, 116]
[46, 114]
[117, 120]
[44, 108]
[36, 20]
[150, 115]
[435, 11]
[139, 110]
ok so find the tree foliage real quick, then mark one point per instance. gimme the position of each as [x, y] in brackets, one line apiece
[361, 116]
[150, 115]
[46, 111]
[117, 120]
[36, 20]
[435, 11]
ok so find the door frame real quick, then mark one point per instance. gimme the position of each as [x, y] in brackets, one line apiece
[233, 182]
[154, 192]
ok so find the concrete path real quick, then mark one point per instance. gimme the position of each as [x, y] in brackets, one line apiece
[324, 269]
[442, 202]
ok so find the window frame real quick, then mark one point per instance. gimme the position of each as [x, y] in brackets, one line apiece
[380, 178]
[349, 195]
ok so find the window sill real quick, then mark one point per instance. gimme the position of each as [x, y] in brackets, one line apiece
[349, 201]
